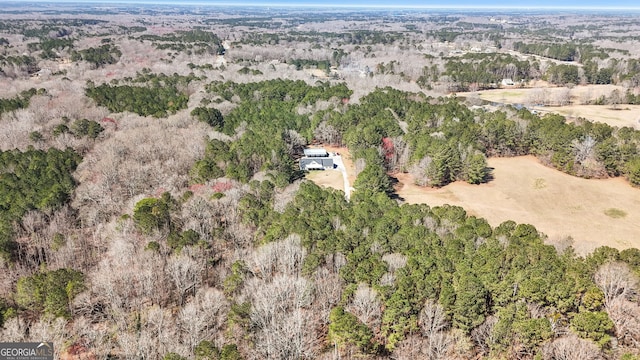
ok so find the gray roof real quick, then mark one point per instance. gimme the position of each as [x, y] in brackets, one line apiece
[315, 163]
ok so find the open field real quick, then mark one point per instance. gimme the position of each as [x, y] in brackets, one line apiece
[514, 95]
[623, 115]
[592, 212]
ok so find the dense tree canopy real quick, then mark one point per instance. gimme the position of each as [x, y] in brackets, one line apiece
[158, 99]
[29, 180]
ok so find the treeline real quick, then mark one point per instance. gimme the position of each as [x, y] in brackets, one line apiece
[79, 128]
[581, 53]
[300, 64]
[157, 102]
[24, 62]
[51, 47]
[357, 37]
[476, 71]
[444, 141]
[161, 95]
[585, 149]
[485, 70]
[616, 71]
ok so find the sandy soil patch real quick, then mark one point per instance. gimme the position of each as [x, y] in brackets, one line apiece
[592, 212]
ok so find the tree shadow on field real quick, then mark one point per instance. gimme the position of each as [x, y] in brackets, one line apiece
[394, 185]
[489, 174]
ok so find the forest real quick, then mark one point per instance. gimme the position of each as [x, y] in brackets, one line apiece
[152, 205]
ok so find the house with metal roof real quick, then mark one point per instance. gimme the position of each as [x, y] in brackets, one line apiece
[316, 159]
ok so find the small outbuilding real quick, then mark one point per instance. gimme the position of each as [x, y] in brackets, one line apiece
[507, 82]
[315, 153]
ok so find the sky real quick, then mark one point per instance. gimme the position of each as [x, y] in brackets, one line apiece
[532, 4]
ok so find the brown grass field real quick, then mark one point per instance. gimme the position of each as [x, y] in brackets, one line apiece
[327, 178]
[514, 95]
[622, 115]
[592, 212]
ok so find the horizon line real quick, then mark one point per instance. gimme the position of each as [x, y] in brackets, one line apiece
[331, 5]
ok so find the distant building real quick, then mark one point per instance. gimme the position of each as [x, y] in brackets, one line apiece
[316, 159]
[507, 82]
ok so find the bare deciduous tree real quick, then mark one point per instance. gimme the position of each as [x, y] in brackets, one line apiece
[562, 96]
[433, 324]
[434, 342]
[584, 149]
[616, 280]
[359, 165]
[327, 134]
[395, 261]
[52, 330]
[279, 316]
[14, 330]
[328, 290]
[294, 141]
[625, 315]
[432, 318]
[282, 198]
[419, 171]
[203, 317]
[482, 335]
[366, 306]
[615, 98]
[185, 271]
[571, 347]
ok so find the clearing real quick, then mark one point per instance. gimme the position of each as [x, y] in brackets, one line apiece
[327, 178]
[622, 115]
[592, 212]
[340, 178]
[541, 90]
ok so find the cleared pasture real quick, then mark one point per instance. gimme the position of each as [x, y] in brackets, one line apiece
[618, 115]
[622, 115]
[592, 212]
